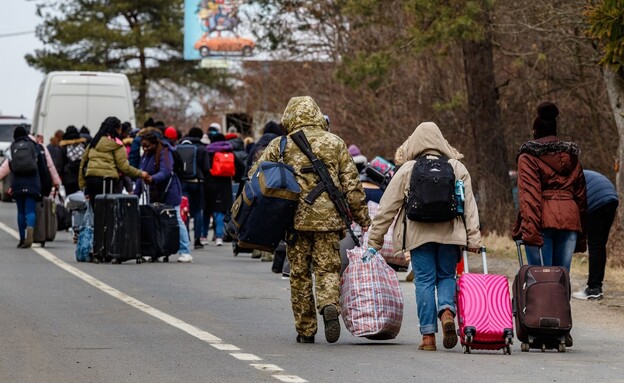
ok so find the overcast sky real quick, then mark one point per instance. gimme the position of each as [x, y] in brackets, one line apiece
[19, 82]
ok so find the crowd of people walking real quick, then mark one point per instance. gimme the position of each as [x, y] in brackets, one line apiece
[561, 206]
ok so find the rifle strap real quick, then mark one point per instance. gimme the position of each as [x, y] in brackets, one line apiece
[302, 142]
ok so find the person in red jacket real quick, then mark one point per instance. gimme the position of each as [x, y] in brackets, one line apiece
[551, 192]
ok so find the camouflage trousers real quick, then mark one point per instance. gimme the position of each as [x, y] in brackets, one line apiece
[315, 253]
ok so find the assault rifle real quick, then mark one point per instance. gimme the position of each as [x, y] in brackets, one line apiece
[326, 183]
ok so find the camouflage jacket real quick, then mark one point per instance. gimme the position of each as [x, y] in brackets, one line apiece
[303, 113]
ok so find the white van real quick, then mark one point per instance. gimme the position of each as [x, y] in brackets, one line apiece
[81, 99]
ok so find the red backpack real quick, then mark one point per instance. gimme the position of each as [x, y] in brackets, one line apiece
[223, 165]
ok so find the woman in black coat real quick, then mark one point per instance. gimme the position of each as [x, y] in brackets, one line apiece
[218, 192]
[26, 191]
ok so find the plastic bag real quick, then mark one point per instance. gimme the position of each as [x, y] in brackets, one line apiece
[371, 299]
[84, 246]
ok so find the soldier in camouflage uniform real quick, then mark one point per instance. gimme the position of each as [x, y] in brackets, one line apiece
[318, 227]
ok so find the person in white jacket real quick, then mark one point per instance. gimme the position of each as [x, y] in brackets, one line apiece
[434, 247]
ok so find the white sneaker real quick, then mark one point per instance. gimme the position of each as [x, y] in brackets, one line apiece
[219, 242]
[185, 258]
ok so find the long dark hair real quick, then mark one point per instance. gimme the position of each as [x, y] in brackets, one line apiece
[108, 128]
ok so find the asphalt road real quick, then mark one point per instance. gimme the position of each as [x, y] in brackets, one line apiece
[228, 319]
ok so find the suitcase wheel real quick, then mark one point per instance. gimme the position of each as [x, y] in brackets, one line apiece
[43, 244]
[543, 347]
[115, 261]
[524, 347]
[165, 259]
[562, 347]
[507, 350]
[466, 349]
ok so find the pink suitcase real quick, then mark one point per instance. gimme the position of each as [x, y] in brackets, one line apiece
[484, 310]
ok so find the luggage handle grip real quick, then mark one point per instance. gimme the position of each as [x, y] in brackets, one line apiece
[482, 250]
[519, 244]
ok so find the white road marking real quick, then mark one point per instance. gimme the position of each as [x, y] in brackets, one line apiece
[289, 378]
[198, 333]
[244, 356]
[267, 367]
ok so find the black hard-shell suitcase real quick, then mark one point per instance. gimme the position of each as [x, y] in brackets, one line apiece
[541, 305]
[279, 256]
[160, 233]
[46, 224]
[117, 228]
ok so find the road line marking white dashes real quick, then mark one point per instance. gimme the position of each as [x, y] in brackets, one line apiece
[244, 356]
[225, 347]
[267, 367]
[196, 332]
[289, 378]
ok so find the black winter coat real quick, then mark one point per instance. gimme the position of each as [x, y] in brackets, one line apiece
[218, 191]
[30, 184]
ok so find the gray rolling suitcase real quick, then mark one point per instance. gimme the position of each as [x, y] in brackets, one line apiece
[46, 224]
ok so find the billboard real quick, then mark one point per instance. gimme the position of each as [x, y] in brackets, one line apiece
[212, 30]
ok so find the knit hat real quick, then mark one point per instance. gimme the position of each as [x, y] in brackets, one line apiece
[545, 124]
[217, 137]
[354, 151]
[195, 132]
[71, 133]
[171, 133]
[272, 127]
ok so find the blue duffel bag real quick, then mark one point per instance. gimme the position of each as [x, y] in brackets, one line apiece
[266, 207]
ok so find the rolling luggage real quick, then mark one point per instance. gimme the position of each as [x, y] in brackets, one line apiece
[116, 228]
[63, 215]
[279, 256]
[160, 234]
[484, 313]
[542, 305]
[46, 224]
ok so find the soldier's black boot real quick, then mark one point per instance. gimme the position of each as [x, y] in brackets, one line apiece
[332, 325]
[305, 339]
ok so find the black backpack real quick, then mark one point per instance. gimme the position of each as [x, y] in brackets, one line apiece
[431, 196]
[188, 154]
[178, 162]
[23, 157]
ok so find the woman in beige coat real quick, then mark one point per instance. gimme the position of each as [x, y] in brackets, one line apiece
[434, 247]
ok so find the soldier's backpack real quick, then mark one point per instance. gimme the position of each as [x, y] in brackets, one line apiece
[223, 165]
[265, 209]
[431, 196]
[188, 154]
[23, 157]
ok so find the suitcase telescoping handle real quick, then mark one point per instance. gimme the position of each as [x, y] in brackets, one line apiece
[519, 244]
[483, 256]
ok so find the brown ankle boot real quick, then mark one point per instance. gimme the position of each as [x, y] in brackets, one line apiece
[428, 343]
[448, 329]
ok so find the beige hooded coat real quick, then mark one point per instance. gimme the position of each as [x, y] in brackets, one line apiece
[426, 139]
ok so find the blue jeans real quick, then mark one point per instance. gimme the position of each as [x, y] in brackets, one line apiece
[26, 213]
[218, 220]
[184, 237]
[434, 267]
[194, 192]
[557, 249]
